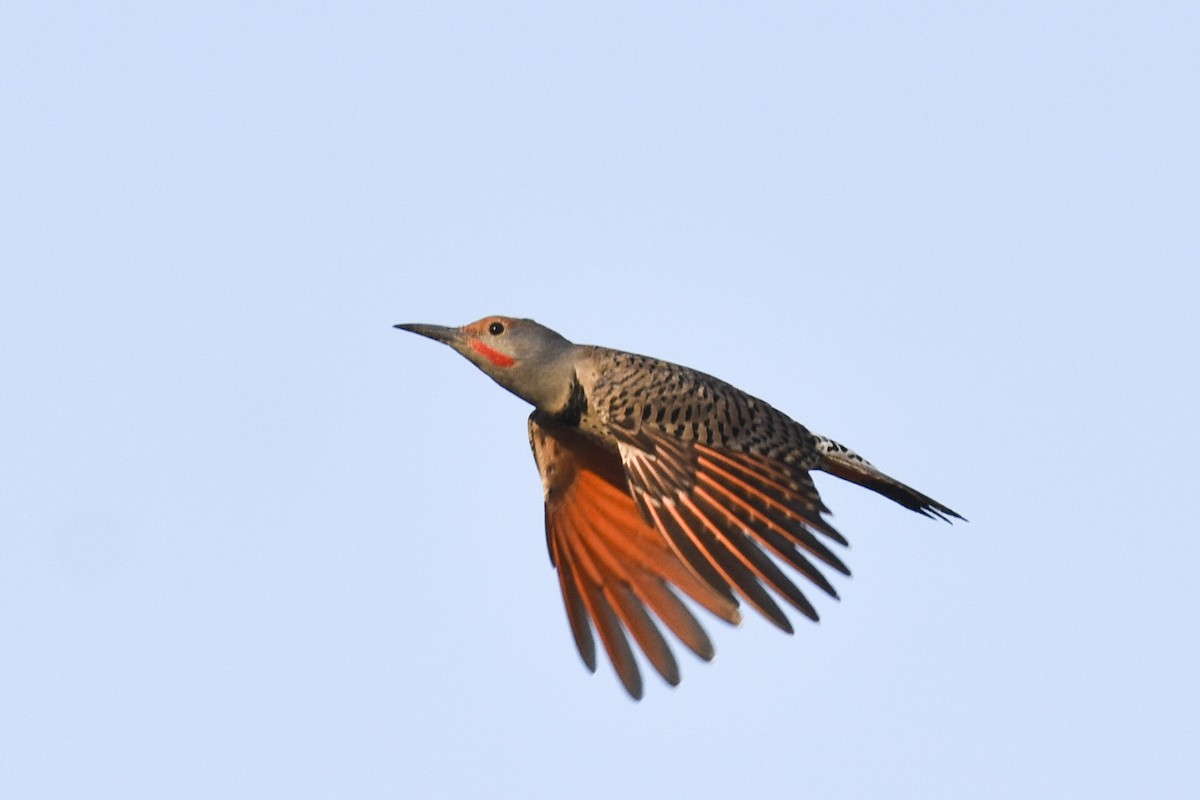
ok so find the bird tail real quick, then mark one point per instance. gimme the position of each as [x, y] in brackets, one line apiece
[839, 460]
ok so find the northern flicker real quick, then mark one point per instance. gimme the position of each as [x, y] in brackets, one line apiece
[657, 479]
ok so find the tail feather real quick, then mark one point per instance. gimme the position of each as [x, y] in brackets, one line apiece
[839, 460]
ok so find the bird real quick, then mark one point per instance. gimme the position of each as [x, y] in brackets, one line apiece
[661, 481]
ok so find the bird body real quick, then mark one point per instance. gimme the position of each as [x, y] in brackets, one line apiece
[659, 478]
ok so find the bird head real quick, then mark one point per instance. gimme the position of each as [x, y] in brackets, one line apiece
[530, 360]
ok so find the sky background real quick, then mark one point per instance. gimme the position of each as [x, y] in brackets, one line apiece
[256, 543]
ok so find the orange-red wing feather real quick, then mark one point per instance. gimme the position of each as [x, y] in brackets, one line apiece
[614, 568]
[577, 615]
[719, 508]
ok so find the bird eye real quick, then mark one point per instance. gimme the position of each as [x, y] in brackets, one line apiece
[496, 328]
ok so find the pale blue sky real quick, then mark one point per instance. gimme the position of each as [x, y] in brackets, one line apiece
[255, 543]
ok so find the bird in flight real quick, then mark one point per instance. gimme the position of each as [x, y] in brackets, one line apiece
[660, 480]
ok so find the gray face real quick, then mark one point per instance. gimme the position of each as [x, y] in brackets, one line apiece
[530, 360]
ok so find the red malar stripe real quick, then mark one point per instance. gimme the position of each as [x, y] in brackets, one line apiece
[494, 356]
